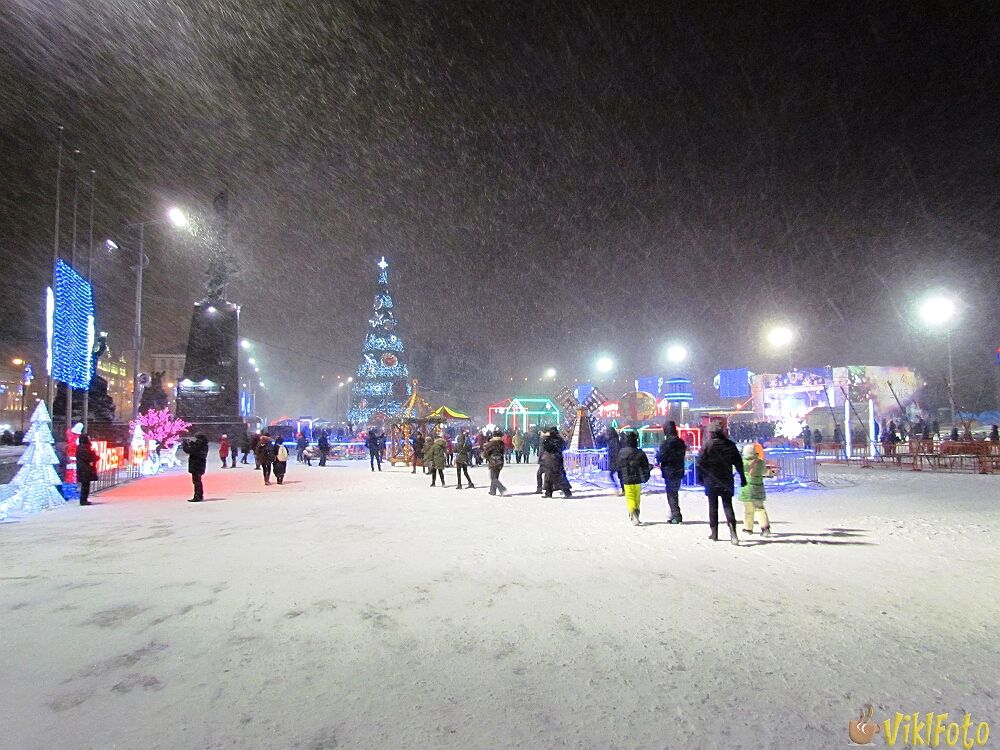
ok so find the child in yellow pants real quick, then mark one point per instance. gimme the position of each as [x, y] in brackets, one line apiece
[634, 468]
[753, 493]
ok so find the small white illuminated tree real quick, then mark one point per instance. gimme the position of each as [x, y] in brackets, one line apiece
[36, 481]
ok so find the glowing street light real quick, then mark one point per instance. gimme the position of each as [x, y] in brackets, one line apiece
[676, 353]
[17, 361]
[938, 311]
[550, 373]
[252, 361]
[177, 217]
[605, 365]
[780, 336]
[245, 344]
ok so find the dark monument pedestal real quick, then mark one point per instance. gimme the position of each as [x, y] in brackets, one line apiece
[208, 396]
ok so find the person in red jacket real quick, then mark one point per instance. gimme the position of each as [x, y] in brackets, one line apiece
[508, 446]
[224, 450]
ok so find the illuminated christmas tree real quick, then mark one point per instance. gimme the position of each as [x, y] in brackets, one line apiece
[382, 382]
[36, 481]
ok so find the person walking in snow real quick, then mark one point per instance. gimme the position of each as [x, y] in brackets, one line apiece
[264, 456]
[224, 449]
[244, 447]
[462, 457]
[614, 447]
[280, 460]
[719, 456]
[300, 448]
[633, 468]
[374, 450]
[86, 467]
[197, 451]
[254, 445]
[494, 453]
[552, 465]
[417, 459]
[671, 456]
[437, 459]
[508, 446]
[753, 493]
[428, 450]
[233, 450]
[323, 446]
[518, 440]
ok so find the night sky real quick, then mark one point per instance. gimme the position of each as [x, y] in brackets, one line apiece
[548, 181]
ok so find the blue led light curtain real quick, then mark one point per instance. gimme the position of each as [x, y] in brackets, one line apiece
[72, 328]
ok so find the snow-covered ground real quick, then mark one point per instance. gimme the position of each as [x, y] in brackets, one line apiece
[347, 609]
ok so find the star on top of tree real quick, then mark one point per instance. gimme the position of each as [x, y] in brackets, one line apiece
[382, 264]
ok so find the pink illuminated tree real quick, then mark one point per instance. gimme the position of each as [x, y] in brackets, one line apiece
[160, 425]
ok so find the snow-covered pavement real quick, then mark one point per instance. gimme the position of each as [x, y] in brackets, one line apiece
[355, 610]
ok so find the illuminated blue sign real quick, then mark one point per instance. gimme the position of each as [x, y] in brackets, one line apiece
[71, 328]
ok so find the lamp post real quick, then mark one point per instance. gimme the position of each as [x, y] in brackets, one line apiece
[781, 337]
[177, 218]
[939, 312]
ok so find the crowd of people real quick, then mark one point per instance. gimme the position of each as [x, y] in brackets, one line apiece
[628, 466]
[435, 452]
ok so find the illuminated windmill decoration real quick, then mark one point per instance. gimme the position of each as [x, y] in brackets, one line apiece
[584, 423]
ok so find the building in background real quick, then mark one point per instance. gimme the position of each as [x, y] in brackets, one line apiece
[117, 370]
[171, 364]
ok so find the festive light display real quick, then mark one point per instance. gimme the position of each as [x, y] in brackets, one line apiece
[160, 425]
[381, 383]
[37, 480]
[71, 328]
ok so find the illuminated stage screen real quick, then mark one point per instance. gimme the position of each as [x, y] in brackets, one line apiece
[794, 393]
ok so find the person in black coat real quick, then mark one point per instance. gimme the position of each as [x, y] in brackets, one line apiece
[719, 456]
[323, 445]
[374, 444]
[86, 467]
[197, 451]
[670, 458]
[552, 466]
[417, 459]
[614, 447]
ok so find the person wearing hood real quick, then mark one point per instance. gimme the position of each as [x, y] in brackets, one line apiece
[633, 467]
[244, 447]
[716, 461]
[462, 457]
[264, 456]
[323, 446]
[86, 467]
[540, 474]
[670, 456]
[417, 459]
[553, 467]
[494, 453]
[374, 449]
[197, 451]
[614, 447]
[224, 449]
[752, 493]
[428, 462]
[438, 458]
[518, 440]
[280, 460]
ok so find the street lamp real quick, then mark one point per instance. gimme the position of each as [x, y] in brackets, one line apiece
[938, 312]
[676, 353]
[781, 337]
[550, 373]
[605, 365]
[177, 218]
[245, 344]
